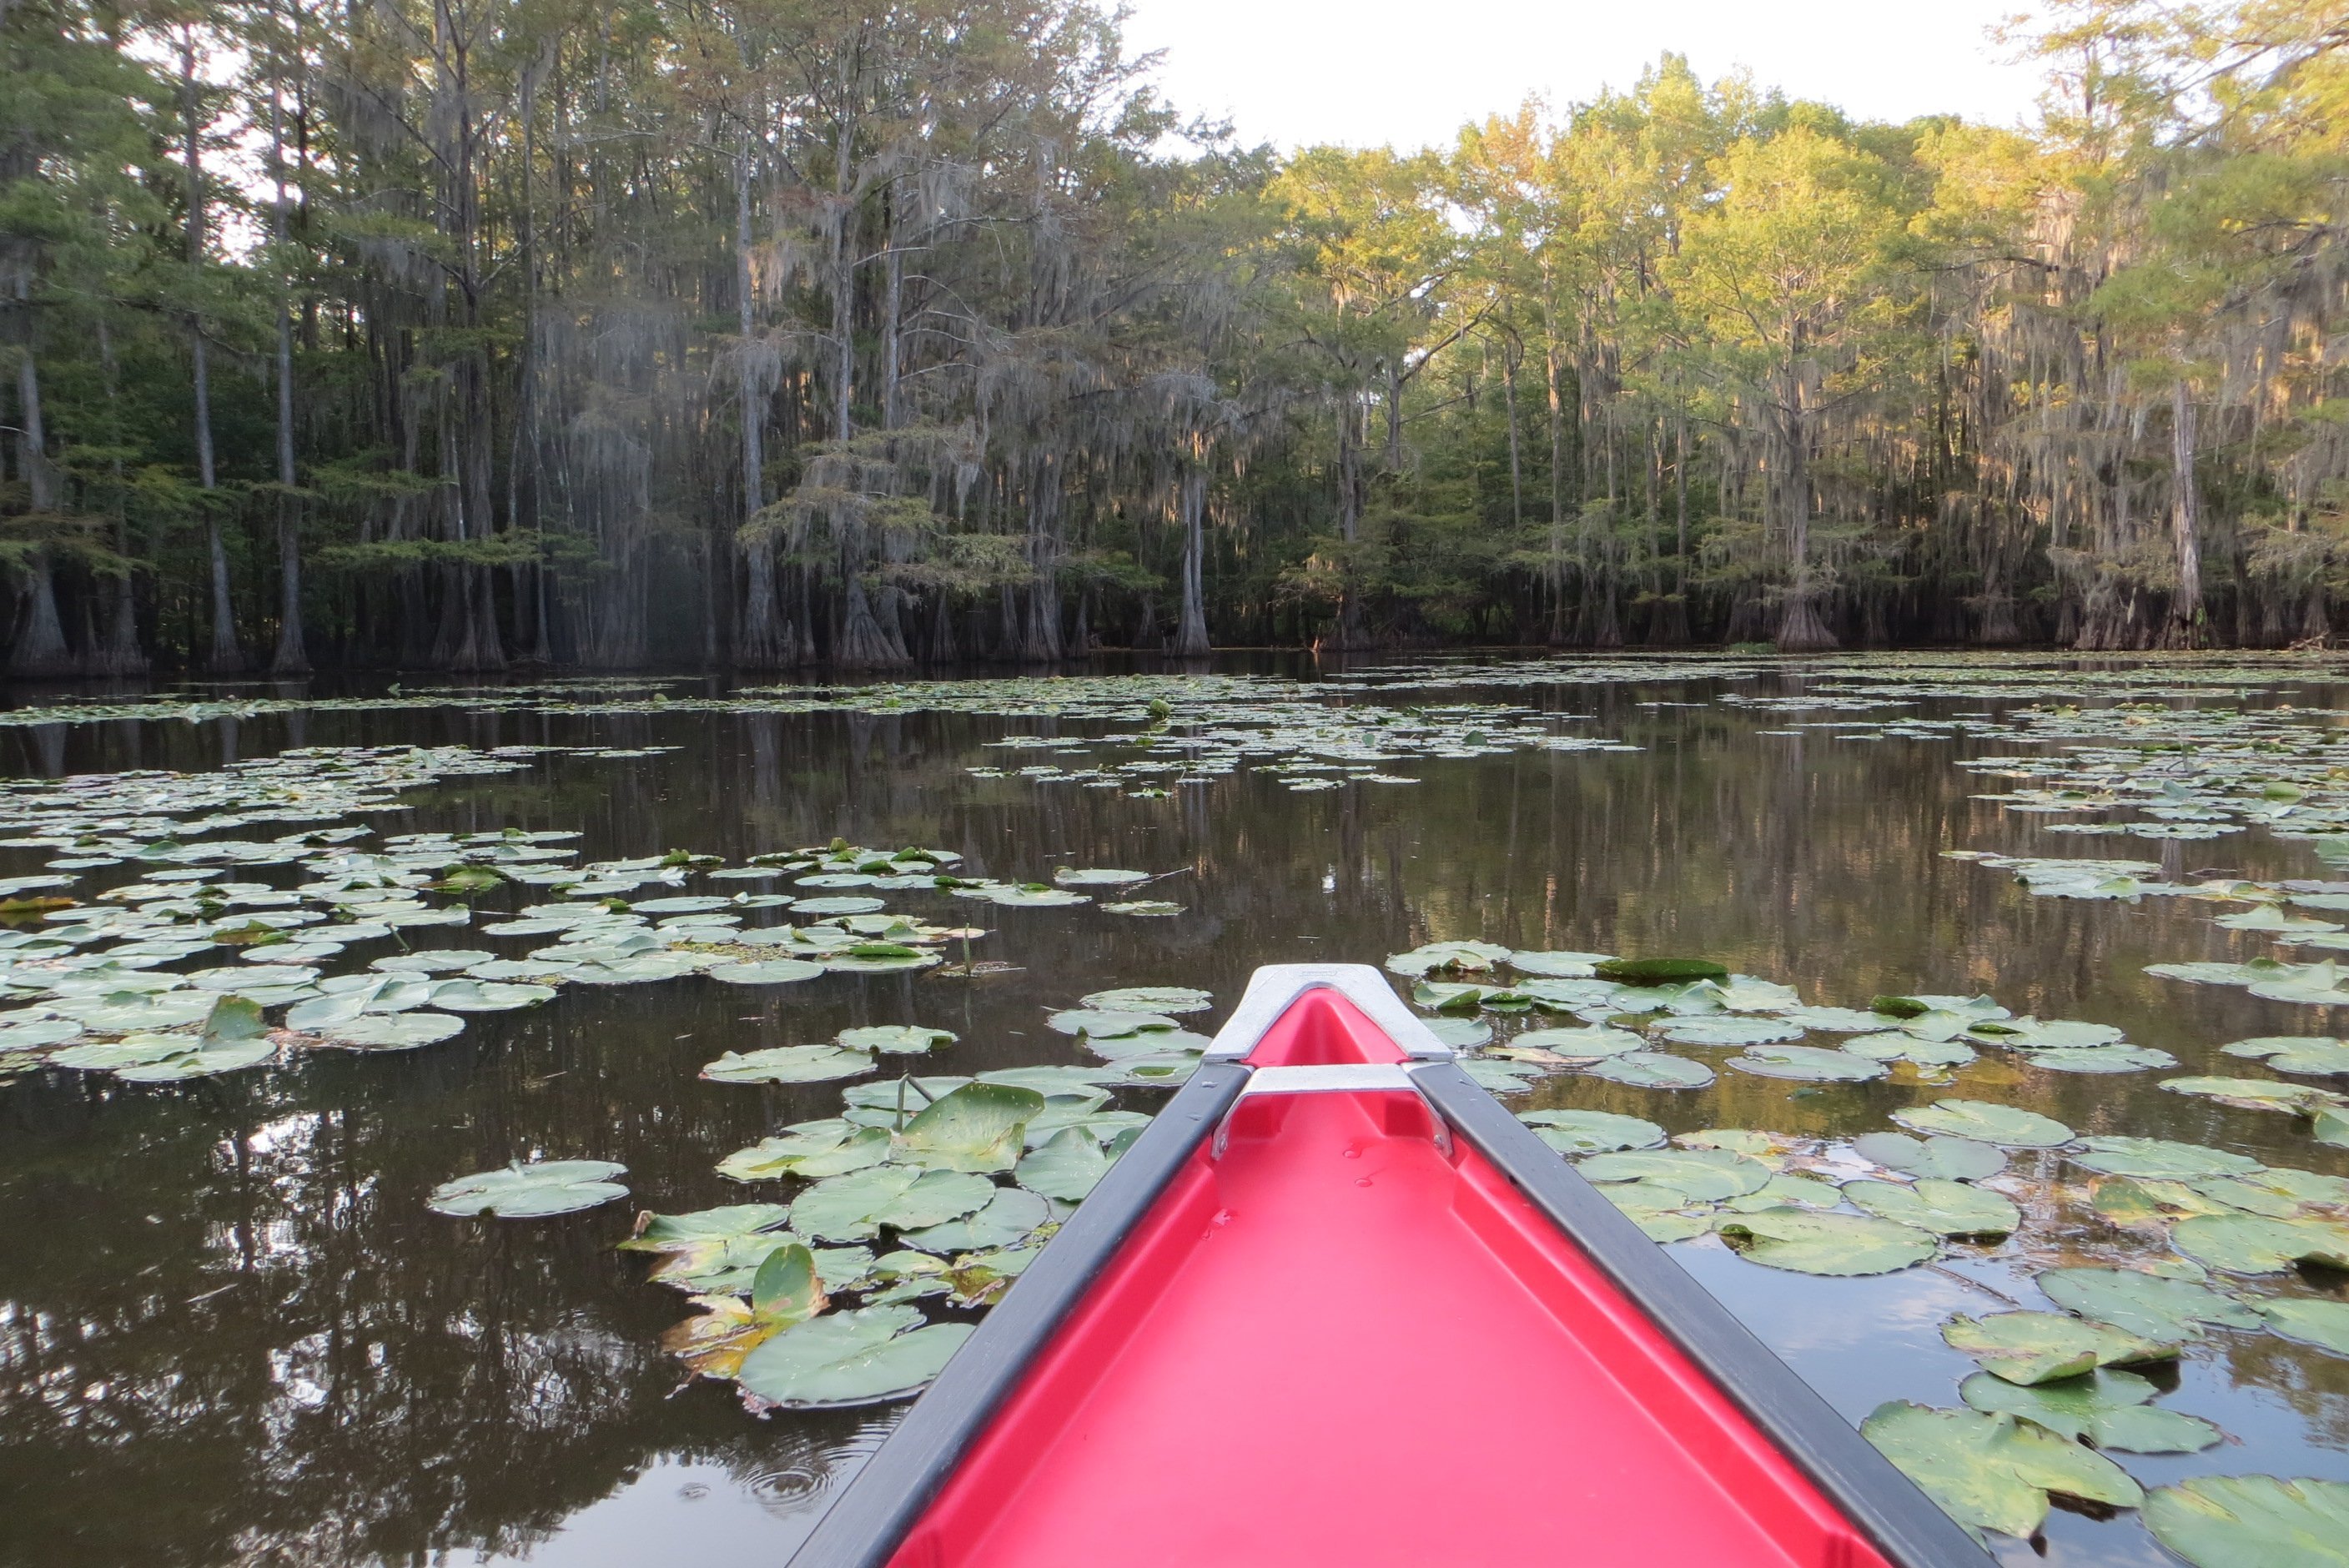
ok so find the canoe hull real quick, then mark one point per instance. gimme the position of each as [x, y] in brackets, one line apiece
[1373, 1325]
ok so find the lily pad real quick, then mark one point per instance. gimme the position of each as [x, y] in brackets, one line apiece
[899, 1039]
[2110, 1409]
[1658, 971]
[1171, 1000]
[2042, 1346]
[1591, 1132]
[2004, 1125]
[393, 1031]
[1652, 1070]
[1097, 876]
[488, 995]
[1993, 1472]
[854, 1207]
[788, 1063]
[1805, 1064]
[856, 1357]
[2253, 1522]
[1460, 958]
[815, 1150]
[1945, 1208]
[1722, 1029]
[2311, 1055]
[1952, 1159]
[531, 1191]
[1108, 1024]
[766, 972]
[2253, 1243]
[2256, 1094]
[2166, 1311]
[2159, 1158]
[1697, 1174]
[1562, 966]
[1589, 1044]
[1815, 1243]
[979, 1127]
[1899, 1046]
[1011, 1215]
[2101, 1059]
[2311, 1320]
[1068, 1166]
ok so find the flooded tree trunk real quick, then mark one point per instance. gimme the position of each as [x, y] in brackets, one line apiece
[40, 646]
[763, 642]
[2185, 627]
[290, 657]
[1191, 632]
[1800, 629]
[1350, 634]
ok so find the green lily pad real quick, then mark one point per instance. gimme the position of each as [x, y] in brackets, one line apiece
[1592, 1043]
[1951, 1159]
[2332, 1127]
[1652, 1070]
[854, 1207]
[1097, 876]
[1102, 1024]
[1724, 1030]
[1782, 1191]
[899, 1039]
[2004, 1125]
[837, 905]
[1463, 957]
[857, 1358]
[1805, 1064]
[1068, 1166]
[1658, 971]
[834, 1150]
[1591, 1132]
[1143, 907]
[2042, 1346]
[1497, 1076]
[2313, 1055]
[2253, 1522]
[1697, 1174]
[1562, 966]
[1815, 1243]
[2046, 1034]
[1460, 1034]
[666, 1233]
[766, 972]
[531, 1191]
[392, 1031]
[1011, 1215]
[2101, 1059]
[2166, 1311]
[1993, 1472]
[2110, 1409]
[1944, 1208]
[2310, 1320]
[788, 1063]
[2159, 1158]
[488, 995]
[1899, 1046]
[2253, 1243]
[2256, 1094]
[1172, 1000]
[979, 1127]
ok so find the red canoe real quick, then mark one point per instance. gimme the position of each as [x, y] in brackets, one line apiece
[1337, 1305]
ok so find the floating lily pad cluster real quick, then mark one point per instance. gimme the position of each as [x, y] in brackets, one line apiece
[930, 1188]
[1634, 1016]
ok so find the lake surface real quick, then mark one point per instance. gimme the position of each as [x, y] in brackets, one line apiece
[231, 1331]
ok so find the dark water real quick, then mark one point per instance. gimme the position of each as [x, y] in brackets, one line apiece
[231, 1333]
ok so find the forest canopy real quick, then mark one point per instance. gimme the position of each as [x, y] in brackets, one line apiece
[465, 334]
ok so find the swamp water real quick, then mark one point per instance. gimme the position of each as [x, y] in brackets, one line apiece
[232, 1330]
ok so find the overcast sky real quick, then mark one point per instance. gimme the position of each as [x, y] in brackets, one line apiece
[1411, 72]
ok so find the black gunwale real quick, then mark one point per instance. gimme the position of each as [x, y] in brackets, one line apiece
[869, 1521]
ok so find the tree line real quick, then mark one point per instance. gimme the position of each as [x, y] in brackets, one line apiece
[761, 334]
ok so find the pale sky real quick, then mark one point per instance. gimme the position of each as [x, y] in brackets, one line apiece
[1411, 72]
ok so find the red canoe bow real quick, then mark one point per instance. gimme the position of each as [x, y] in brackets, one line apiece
[1337, 1305]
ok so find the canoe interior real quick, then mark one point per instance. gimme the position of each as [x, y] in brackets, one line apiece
[1336, 1344]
